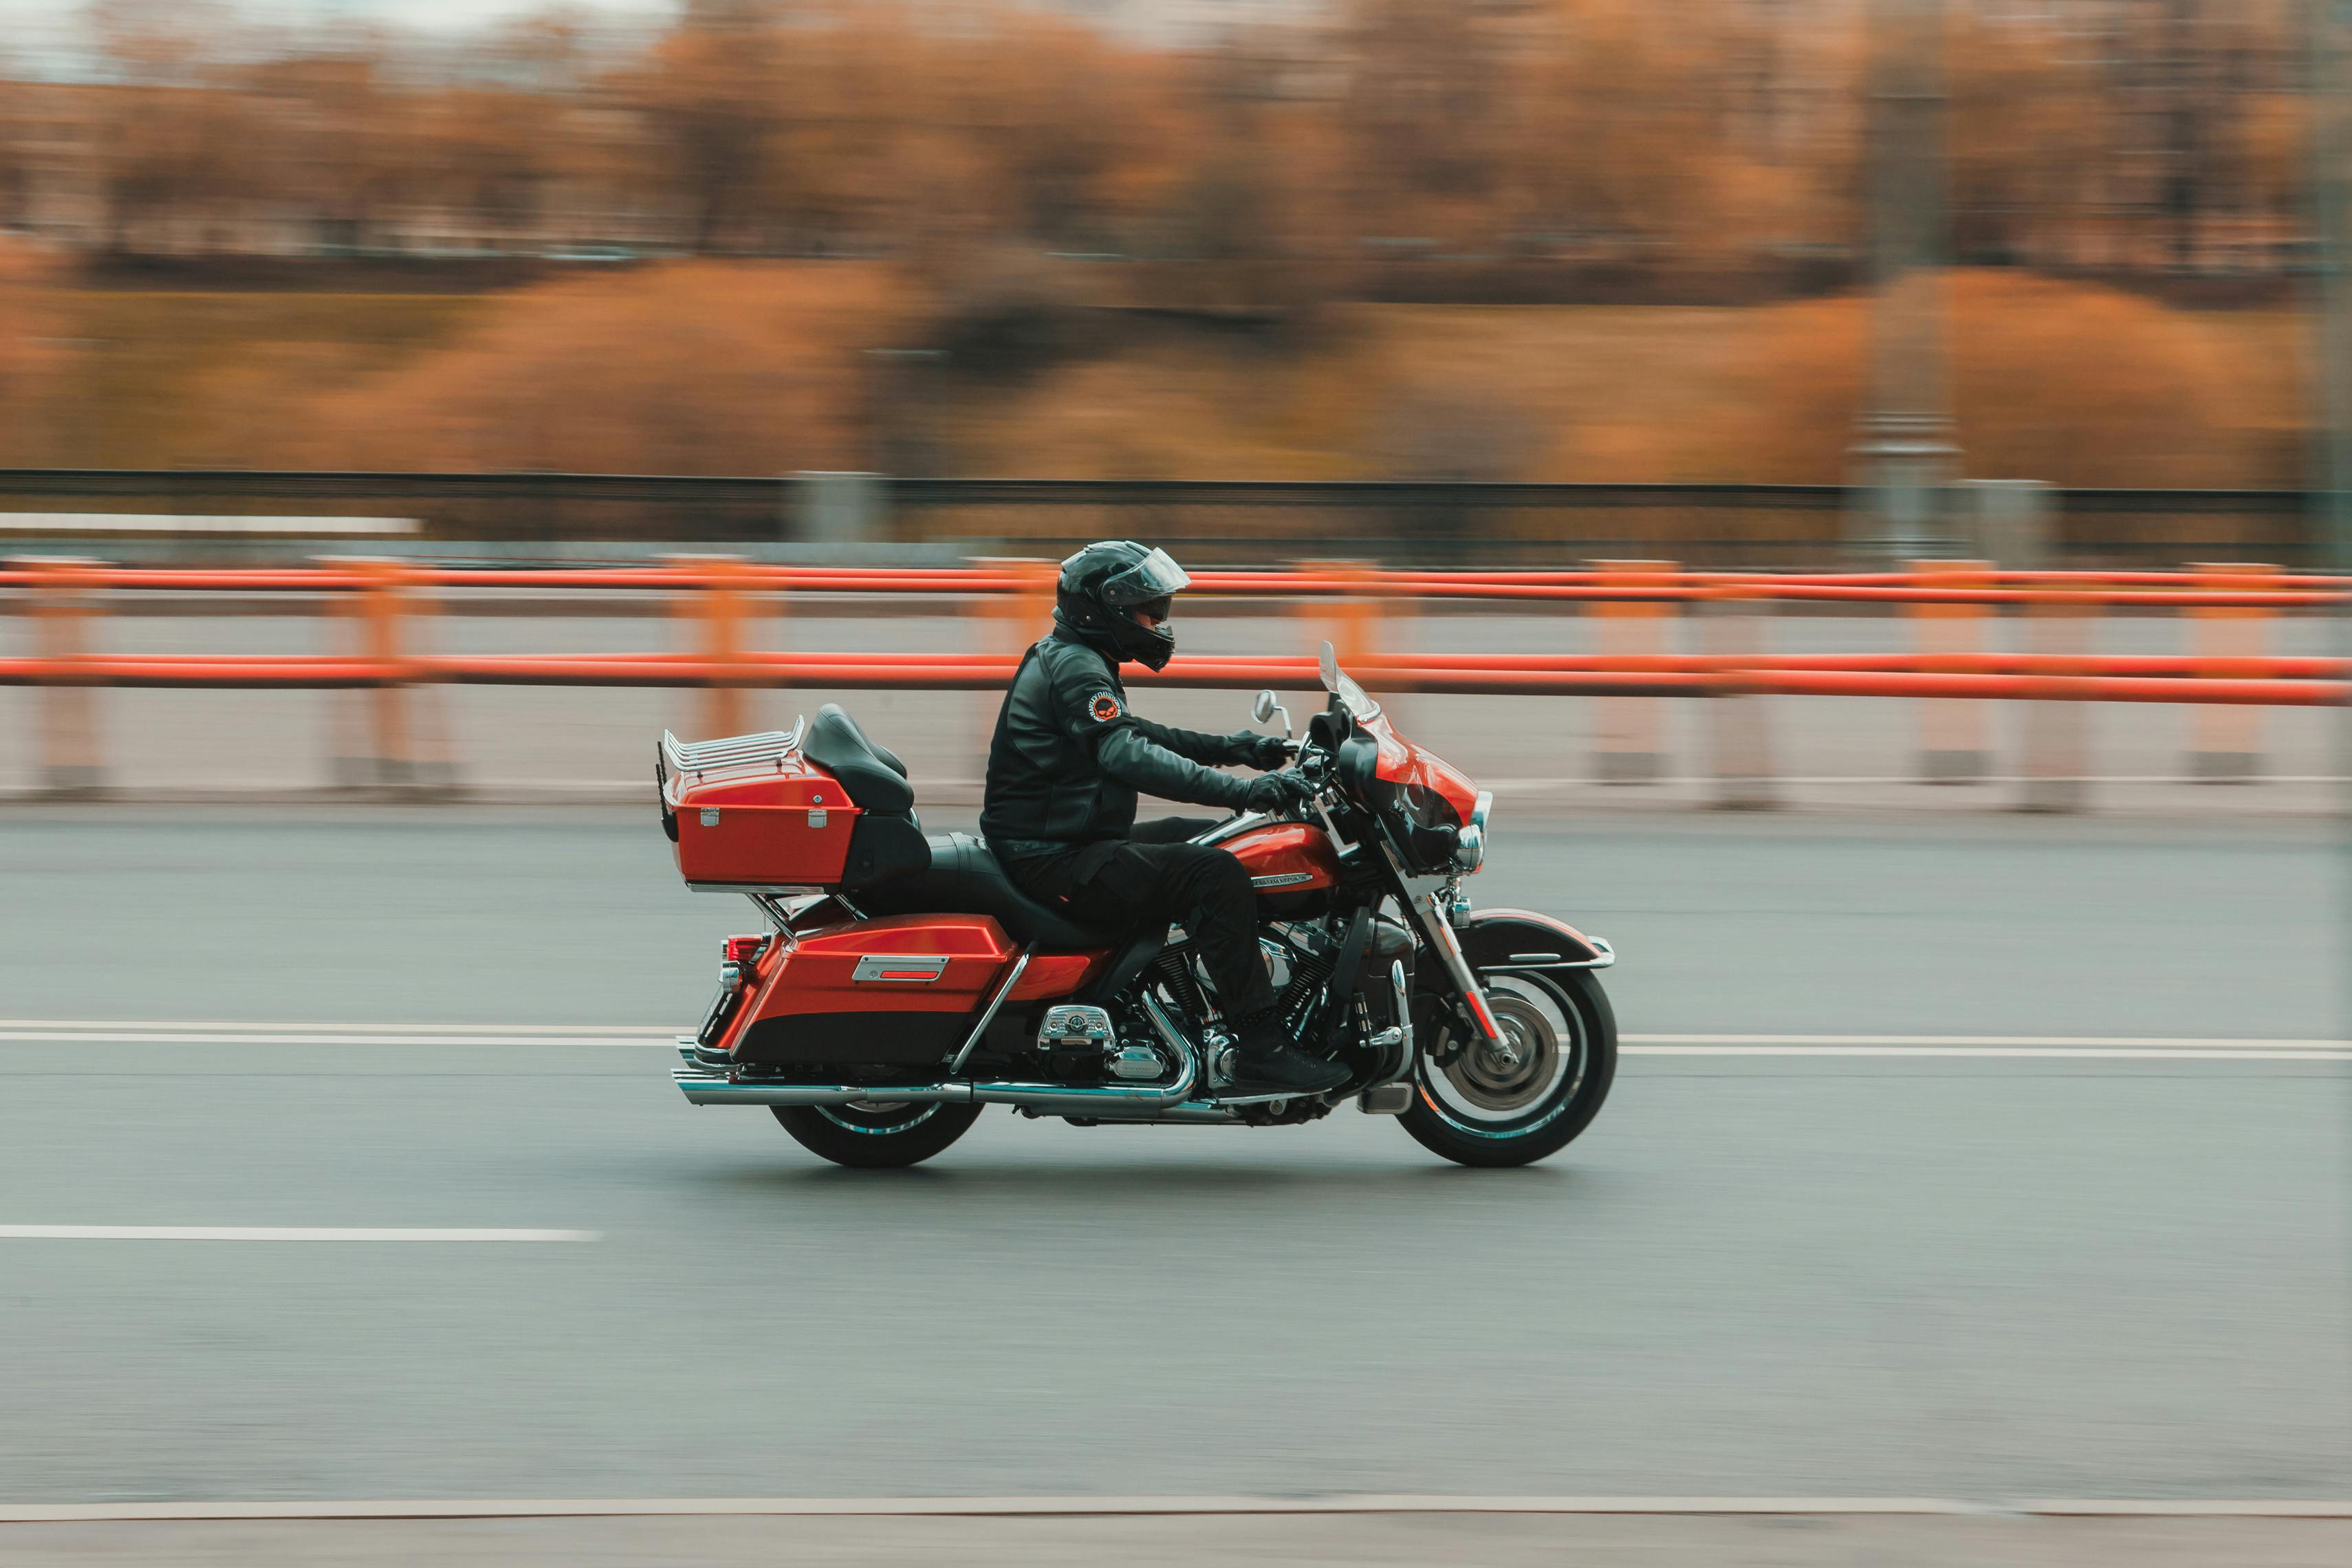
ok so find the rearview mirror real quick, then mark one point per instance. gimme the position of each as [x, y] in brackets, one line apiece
[1266, 707]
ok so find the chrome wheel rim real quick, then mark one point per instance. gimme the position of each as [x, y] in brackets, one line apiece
[1519, 1083]
[878, 1117]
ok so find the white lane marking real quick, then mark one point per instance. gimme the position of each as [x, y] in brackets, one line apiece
[247, 1027]
[2043, 1054]
[275, 1232]
[161, 1038]
[2107, 1041]
[2057, 1047]
[1600, 787]
[552, 1508]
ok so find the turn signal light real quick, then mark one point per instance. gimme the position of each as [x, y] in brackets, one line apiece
[744, 949]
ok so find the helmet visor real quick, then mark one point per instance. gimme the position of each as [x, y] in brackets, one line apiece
[1155, 576]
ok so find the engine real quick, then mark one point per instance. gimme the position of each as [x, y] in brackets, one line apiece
[1079, 1045]
[1308, 957]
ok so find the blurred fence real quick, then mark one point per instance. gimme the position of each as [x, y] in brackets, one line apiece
[1462, 524]
[2230, 663]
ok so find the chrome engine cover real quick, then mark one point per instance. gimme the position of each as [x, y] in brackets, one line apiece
[1136, 1063]
[1075, 1023]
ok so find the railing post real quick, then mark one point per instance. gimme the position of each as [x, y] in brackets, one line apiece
[2226, 738]
[717, 600]
[1013, 620]
[65, 602]
[2056, 735]
[1955, 744]
[396, 751]
[380, 614]
[1629, 732]
[1010, 622]
[1356, 614]
[1739, 736]
[1355, 621]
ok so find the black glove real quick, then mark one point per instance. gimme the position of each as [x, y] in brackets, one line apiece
[1277, 793]
[1260, 752]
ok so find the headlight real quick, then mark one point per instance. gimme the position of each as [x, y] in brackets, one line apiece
[1470, 843]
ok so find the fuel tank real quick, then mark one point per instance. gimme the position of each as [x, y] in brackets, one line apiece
[1287, 860]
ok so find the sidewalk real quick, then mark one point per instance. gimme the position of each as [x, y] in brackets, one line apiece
[1795, 1541]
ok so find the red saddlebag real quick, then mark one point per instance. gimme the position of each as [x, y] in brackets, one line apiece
[905, 990]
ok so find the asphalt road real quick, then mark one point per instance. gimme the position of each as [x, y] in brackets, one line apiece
[1760, 1275]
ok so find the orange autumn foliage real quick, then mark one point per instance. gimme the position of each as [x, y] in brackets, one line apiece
[690, 367]
[761, 368]
[2070, 384]
[2067, 383]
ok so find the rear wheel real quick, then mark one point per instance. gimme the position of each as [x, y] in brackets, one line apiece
[1512, 1101]
[876, 1134]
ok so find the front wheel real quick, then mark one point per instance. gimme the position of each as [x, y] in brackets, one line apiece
[1512, 1101]
[876, 1134]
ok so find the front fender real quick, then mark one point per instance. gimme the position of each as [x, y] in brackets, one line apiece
[1522, 939]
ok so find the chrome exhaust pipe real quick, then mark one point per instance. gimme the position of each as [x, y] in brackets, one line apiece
[703, 1085]
[1192, 1111]
[704, 1088]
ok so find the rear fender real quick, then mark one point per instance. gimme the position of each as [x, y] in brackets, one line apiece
[1505, 939]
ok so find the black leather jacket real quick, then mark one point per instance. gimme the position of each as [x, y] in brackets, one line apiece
[1069, 757]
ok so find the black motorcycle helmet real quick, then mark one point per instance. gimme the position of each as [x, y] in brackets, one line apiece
[1104, 585]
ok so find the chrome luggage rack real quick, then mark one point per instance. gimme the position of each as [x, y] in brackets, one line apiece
[769, 748]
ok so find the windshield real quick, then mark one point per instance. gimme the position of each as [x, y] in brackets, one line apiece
[1352, 697]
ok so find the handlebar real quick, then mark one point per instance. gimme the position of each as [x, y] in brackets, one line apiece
[1312, 760]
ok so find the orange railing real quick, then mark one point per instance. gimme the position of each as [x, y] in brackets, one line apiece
[2229, 606]
[2154, 590]
[2303, 682]
[716, 593]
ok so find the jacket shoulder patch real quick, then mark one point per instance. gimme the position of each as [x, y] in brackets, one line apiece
[1103, 707]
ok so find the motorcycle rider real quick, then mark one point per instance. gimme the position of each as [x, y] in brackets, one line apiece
[1064, 767]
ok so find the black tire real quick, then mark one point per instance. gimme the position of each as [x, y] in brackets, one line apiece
[876, 1137]
[1483, 1121]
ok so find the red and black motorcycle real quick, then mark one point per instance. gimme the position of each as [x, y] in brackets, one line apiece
[905, 982]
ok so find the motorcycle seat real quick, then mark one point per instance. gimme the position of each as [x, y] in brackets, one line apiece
[875, 778]
[965, 879]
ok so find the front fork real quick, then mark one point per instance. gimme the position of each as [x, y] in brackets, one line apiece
[1433, 913]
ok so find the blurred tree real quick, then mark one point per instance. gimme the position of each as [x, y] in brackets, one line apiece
[1426, 114]
[1280, 161]
[174, 139]
[340, 151]
[708, 96]
[1633, 137]
[34, 356]
[1258, 225]
[22, 134]
[2027, 122]
[2256, 156]
[2201, 93]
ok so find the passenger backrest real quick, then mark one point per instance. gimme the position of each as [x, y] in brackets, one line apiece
[837, 745]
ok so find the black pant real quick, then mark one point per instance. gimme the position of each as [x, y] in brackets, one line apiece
[1152, 877]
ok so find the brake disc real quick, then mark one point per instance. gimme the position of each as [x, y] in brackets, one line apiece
[1512, 1072]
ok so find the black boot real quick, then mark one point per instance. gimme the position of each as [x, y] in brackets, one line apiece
[1267, 1063]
